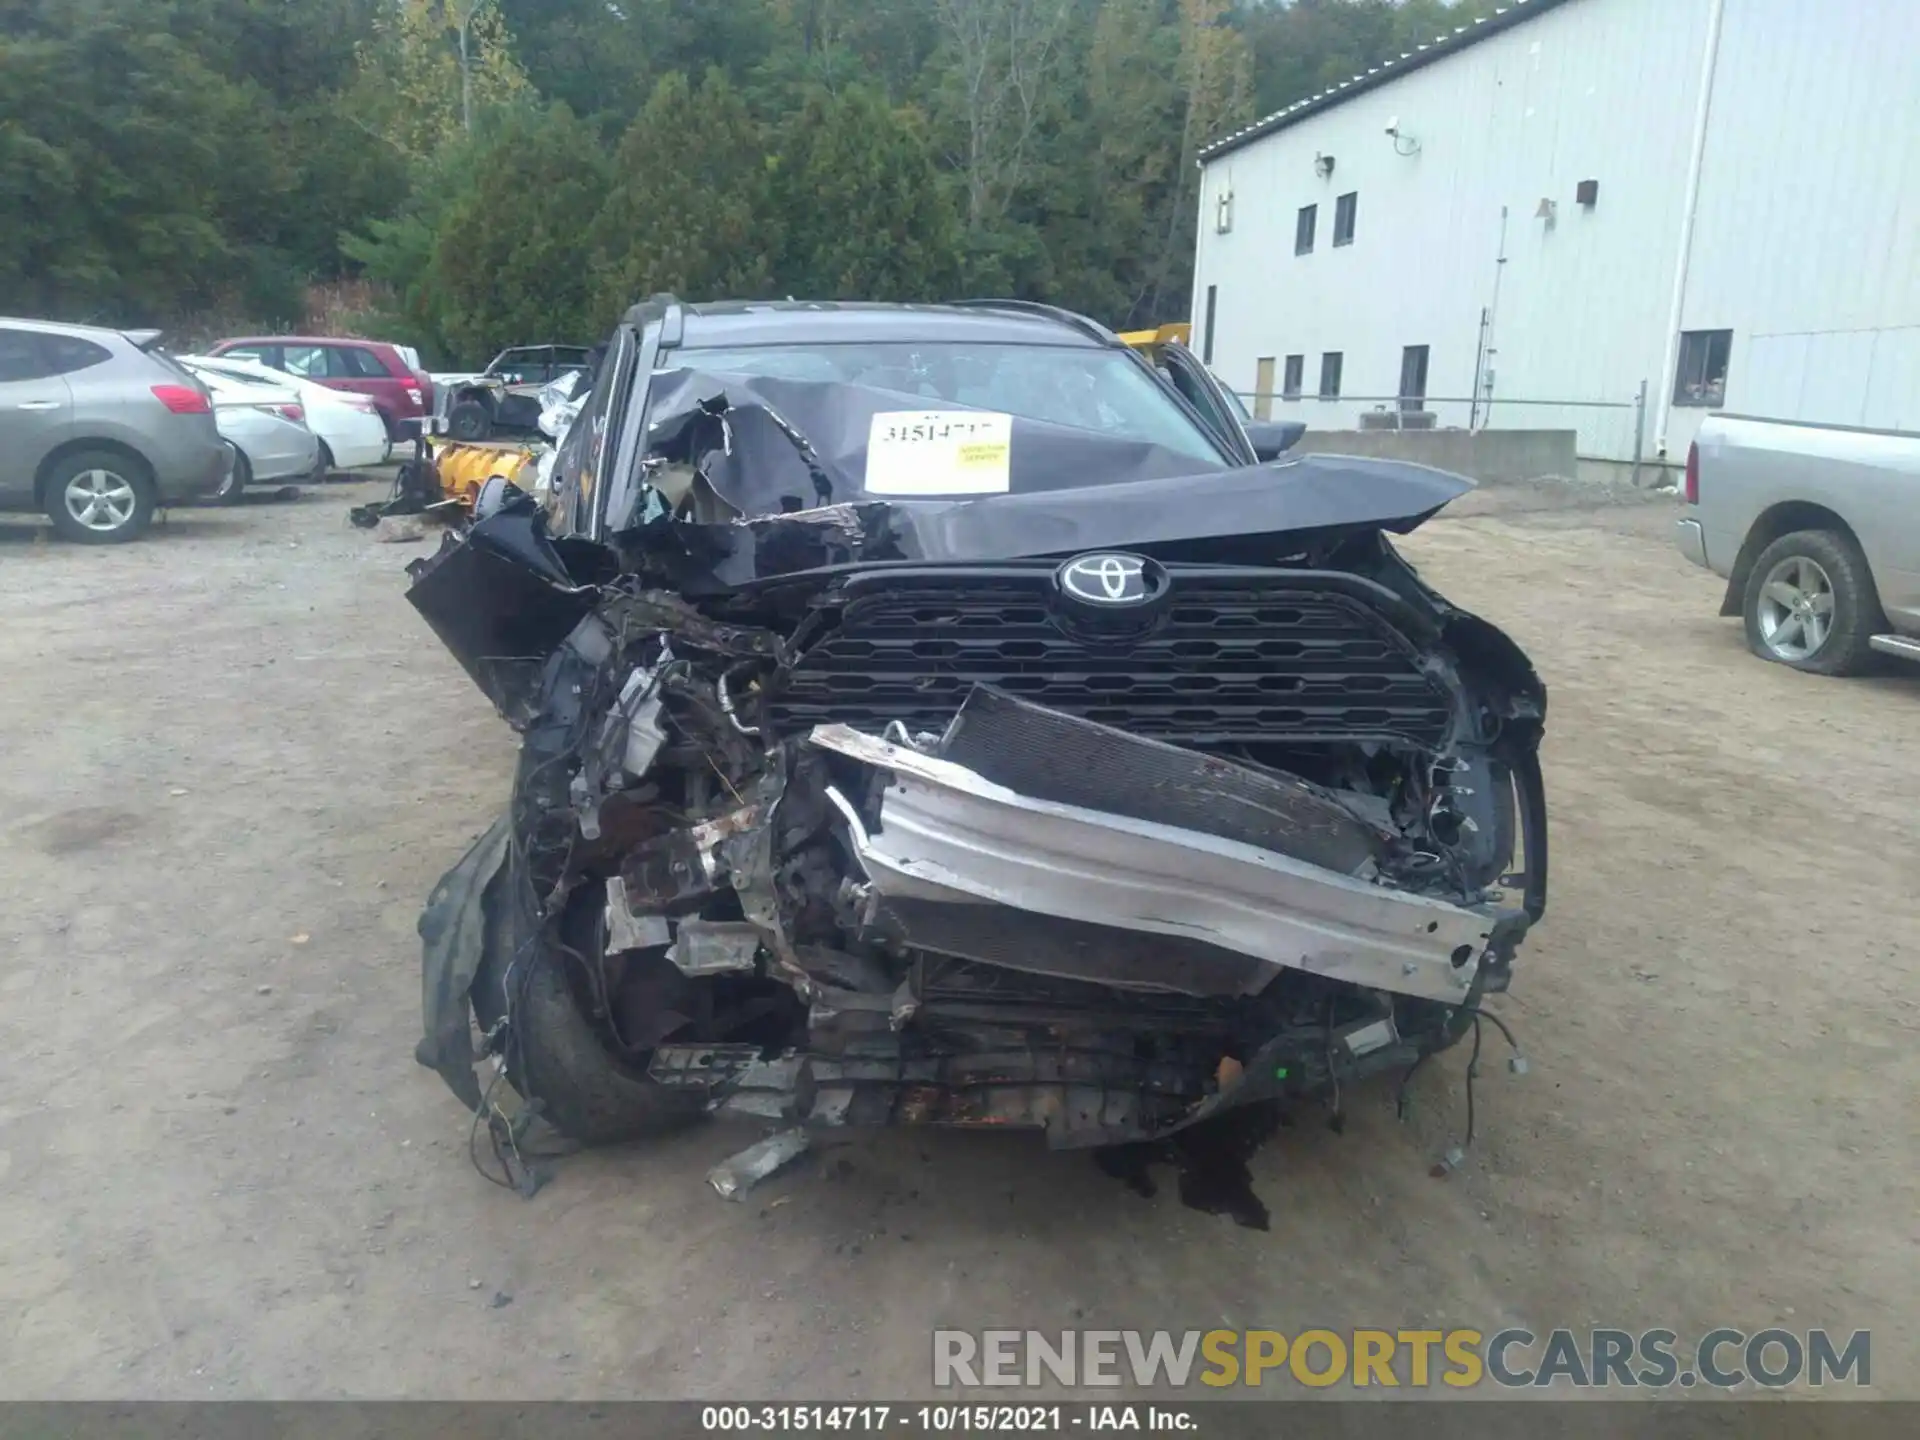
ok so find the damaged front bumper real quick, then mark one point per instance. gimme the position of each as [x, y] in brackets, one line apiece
[971, 908]
[951, 837]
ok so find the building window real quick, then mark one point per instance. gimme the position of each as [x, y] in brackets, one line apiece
[1413, 377]
[1303, 229]
[1206, 335]
[1343, 209]
[1701, 378]
[1330, 375]
[1295, 377]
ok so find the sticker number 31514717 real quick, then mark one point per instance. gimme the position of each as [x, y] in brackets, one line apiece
[939, 452]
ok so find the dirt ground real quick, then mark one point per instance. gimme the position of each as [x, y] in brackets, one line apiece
[235, 761]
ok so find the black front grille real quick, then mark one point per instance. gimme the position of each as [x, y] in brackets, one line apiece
[1235, 656]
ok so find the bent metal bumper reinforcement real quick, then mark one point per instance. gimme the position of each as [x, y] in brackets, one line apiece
[947, 834]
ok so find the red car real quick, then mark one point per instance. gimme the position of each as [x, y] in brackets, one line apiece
[402, 394]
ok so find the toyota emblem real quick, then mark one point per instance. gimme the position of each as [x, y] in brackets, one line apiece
[1114, 581]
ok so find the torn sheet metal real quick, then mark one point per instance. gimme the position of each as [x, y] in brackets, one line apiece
[627, 930]
[714, 947]
[1049, 755]
[501, 599]
[733, 1177]
[945, 827]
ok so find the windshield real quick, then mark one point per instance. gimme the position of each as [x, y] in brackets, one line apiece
[1104, 391]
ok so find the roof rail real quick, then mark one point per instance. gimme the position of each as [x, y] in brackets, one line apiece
[1093, 329]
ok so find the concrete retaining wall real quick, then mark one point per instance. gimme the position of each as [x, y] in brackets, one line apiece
[1490, 456]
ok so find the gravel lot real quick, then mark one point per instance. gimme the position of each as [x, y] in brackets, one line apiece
[235, 762]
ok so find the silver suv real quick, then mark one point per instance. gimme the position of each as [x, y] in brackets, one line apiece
[98, 431]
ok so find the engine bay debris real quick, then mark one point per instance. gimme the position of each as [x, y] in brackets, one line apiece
[841, 811]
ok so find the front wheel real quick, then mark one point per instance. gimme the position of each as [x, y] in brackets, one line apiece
[1810, 603]
[100, 497]
[555, 1054]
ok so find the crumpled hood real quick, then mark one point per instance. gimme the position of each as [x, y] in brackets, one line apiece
[774, 447]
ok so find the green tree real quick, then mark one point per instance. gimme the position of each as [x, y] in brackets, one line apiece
[430, 66]
[130, 200]
[689, 209]
[865, 211]
[511, 255]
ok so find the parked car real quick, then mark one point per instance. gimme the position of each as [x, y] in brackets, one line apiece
[1817, 529]
[403, 394]
[266, 424]
[930, 715]
[98, 429]
[351, 433]
[506, 395]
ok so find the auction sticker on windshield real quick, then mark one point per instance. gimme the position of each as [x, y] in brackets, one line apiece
[939, 452]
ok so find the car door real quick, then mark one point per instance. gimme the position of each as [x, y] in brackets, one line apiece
[358, 371]
[36, 412]
[1198, 388]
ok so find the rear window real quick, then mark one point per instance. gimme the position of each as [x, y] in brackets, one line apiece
[67, 353]
[20, 357]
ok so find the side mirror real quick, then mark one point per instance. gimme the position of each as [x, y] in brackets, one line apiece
[1273, 438]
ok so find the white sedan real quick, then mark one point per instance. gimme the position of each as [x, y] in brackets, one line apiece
[267, 427]
[352, 435]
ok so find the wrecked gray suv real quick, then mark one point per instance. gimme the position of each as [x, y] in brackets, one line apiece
[938, 715]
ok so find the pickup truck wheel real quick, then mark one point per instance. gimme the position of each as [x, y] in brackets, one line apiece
[469, 420]
[1810, 603]
[555, 1056]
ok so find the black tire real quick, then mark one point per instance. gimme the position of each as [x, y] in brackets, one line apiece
[238, 478]
[1855, 619]
[323, 465]
[555, 1056]
[120, 475]
[470, 420]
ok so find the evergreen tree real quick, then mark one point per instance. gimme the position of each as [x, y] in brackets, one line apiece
[865, 211]
[689, 210]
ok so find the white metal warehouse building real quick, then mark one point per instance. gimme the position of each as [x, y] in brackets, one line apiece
[1717, 198]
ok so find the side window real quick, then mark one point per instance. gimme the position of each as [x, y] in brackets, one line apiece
[1343, 214]
[1293, 377]
[20, 357]
[309, 362]
[351, 362]
[1701, 377]
[515, 366]
[259, 354]
[1303, 226]
[68, 353]
[1330, 375]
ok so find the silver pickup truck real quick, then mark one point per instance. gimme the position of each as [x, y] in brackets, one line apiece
[1817, 529]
